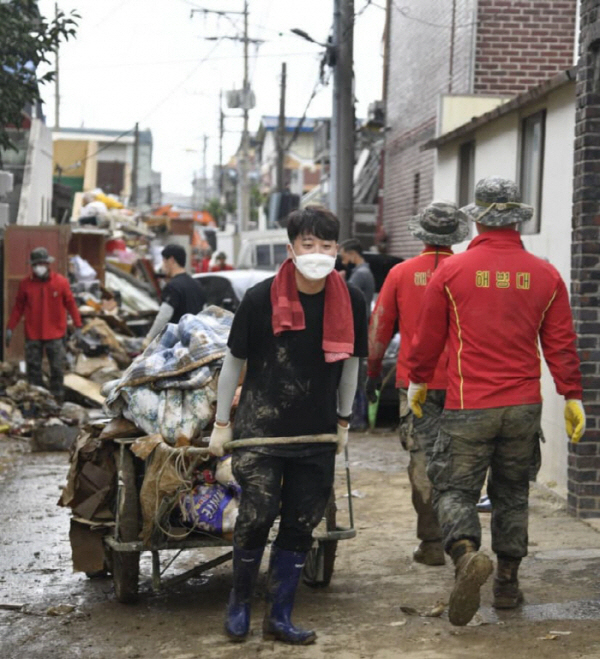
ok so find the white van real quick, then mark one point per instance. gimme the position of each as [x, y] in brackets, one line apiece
[263, 250]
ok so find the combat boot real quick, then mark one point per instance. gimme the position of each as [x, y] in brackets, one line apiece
[507, 594]
[472, 569]
[429, 552]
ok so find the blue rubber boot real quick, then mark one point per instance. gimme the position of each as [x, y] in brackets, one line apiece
[246, 564]
[285, 568]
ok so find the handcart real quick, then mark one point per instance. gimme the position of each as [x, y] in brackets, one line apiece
[123, 547]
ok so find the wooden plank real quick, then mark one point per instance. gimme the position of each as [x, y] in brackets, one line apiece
[84, 387]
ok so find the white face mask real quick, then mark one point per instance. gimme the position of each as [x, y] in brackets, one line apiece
[314, 266]
[40, 270]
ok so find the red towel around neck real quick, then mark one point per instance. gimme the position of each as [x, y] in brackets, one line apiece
[338, 323]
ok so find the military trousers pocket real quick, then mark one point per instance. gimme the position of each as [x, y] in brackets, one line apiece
[439, 468]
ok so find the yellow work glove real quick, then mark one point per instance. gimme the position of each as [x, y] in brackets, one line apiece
[574, 419]
[417, 393]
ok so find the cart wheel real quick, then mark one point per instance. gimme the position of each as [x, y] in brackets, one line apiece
[318, 568]
[126, 564]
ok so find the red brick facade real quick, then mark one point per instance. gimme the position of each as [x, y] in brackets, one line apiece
[584, 458]
[522, 43]
[510, 46]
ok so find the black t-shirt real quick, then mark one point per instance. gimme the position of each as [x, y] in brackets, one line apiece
[185, 295]
[289, 388]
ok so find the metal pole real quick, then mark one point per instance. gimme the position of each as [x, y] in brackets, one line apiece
[244, 210]
[452, 38]
[134, 173]
[221, 131]
[204, 179]
[281, 133]
[56, 81]
[335, 104]
[346, 121]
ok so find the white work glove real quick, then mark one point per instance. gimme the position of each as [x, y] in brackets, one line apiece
[574, 419]
[417, 393]
[220, 436]
[342, 438]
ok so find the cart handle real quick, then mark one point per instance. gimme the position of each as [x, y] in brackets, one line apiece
[267, 441]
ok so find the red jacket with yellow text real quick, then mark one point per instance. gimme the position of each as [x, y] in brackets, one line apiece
[400, 299]
[492, 304]
[44, 302]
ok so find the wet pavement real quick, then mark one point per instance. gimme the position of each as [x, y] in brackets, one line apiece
[378, 604]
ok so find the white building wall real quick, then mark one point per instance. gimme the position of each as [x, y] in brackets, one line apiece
[497, 149]
[36, 192]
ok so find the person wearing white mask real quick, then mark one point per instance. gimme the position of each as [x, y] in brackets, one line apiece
[301, 335]
[44, 298]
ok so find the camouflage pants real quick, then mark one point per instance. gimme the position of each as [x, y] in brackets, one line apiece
[418, 437]
[502, 439]
[55, 352]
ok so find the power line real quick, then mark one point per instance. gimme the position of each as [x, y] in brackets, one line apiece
[183, 61]
[78, 163]
[404, 11]
[179, 84]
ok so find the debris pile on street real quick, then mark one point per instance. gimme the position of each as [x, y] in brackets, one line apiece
[30, 411]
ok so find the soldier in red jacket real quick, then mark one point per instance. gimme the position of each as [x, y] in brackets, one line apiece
[489, 307]
[44, 298]
[439, 226]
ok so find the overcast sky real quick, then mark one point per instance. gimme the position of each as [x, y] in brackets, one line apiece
[148, 61]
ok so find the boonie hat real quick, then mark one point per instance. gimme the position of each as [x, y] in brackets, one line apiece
[439, 223]
[40, 255]
[497, 203]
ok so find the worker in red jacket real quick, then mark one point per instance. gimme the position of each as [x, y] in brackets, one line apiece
[221, 263]
[439, 226]
[489, 307]
[44, 298]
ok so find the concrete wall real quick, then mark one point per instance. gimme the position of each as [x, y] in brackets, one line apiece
[497, 152]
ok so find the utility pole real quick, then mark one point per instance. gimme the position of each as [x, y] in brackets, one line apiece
[134, 173]
[56, 80]
[221, 131]
[243, 164]
[204, 174]
[281, 133]
[244, 206]
[344, 114]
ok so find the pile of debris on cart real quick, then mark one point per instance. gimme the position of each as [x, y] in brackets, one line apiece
[161, 411]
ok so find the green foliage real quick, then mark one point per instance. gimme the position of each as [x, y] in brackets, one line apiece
[27, 39]
[215, 208]
[256, 201]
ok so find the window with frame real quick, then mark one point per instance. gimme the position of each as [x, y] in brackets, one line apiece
[533, 130]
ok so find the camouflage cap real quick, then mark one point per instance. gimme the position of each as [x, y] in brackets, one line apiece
[40, 255]
[497, 203]
[439, 223]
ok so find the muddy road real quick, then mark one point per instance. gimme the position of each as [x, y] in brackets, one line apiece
[379, 603]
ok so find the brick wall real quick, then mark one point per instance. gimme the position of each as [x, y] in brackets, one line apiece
[500, 47]
[521, 43]
[583, 497]
[419, 70]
